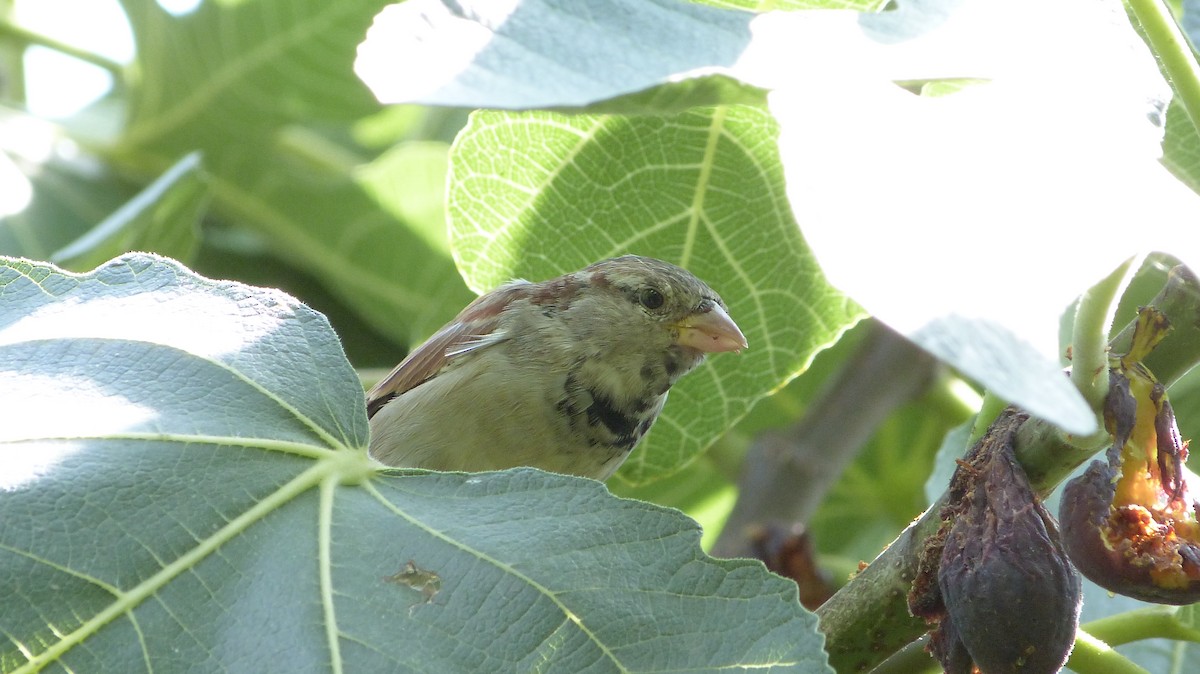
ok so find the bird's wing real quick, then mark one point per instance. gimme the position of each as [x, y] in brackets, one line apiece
[476, 327]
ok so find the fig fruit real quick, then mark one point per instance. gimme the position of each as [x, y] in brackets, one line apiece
[1130, 521]
[1006, 598]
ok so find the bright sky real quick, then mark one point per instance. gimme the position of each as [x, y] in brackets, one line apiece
[59, 85]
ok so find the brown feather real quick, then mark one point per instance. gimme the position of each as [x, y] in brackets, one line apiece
[480, 319]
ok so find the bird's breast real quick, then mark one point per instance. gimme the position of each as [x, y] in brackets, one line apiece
[607, 411]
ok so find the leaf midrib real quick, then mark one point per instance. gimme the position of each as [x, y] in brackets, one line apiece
[233, 72]
[127, 600]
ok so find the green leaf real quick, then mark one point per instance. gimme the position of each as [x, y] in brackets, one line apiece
[771, 5]
[548, 53]
[953, 446]
[1188, 617]
[564, 600]
[66, 197]
[330, 226]
[1007, 366]
[163, 218]
[184, 485]
[230, 340]
[1181, 147]
[672, 97]
[628, 56]
[409, 180]
[254, 86]
[981, 201]
[534, 195]
[881, 490]
[231, 66]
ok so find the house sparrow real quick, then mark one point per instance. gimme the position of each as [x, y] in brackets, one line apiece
[565, 375]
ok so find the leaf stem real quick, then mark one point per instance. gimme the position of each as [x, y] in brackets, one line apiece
[1146, 623]
[27, 37]
[1089, 346]
[1172, 50]
[12, 53]
[1093, 655]
[988, 411]
[1176, 355]
[329, 487]
[126, 600]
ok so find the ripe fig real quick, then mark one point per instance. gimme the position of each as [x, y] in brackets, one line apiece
[1130, 522]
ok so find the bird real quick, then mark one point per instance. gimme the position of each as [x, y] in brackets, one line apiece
[565, 375]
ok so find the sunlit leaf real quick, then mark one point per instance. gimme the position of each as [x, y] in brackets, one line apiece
[990, 209]
[253, 85]
[184, 485]
[535, 195]
[546, 53]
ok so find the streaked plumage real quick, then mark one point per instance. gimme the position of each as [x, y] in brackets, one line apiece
[566, 375]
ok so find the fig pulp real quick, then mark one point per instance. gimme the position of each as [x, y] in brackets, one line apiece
[1130, 521]
[1006, 598]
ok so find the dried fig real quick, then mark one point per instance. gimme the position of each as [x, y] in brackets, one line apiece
[948, 648]
[1006, 598]
[1009, 589]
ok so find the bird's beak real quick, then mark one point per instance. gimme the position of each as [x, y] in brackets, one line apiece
[710, 330]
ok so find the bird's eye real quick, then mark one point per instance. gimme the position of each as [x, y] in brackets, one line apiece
[650, 298]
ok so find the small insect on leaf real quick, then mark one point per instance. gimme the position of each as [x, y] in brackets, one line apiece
[428, 583]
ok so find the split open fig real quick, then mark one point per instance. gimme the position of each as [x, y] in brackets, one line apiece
[1130, 521]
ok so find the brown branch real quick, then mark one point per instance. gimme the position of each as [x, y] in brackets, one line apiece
[787, 473]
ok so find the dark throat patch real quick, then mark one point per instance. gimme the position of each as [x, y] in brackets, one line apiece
[622, 425]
